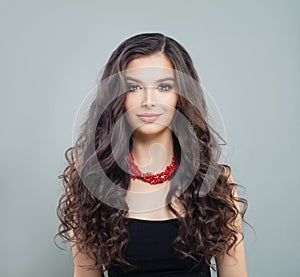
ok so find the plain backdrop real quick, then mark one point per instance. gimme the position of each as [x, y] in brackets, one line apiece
[247, 56]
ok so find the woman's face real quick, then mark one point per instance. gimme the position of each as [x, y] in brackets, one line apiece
[151, 96]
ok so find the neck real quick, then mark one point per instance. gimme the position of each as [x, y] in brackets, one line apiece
[153, 153]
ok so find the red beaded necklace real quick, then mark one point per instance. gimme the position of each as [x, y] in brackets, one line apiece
[149, 177]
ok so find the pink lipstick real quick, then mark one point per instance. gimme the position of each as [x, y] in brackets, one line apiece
[148, 117]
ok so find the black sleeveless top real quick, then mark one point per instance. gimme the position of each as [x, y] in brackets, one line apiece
[150, 249]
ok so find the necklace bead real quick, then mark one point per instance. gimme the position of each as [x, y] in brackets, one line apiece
[149, 177]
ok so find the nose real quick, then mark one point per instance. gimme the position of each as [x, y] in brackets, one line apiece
[148, 96]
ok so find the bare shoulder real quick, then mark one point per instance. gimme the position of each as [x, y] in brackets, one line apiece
[81, 259]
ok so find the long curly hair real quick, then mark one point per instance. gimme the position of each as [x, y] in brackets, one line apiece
[208, 224]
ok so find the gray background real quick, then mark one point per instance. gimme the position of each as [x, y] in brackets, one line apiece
[247, 56]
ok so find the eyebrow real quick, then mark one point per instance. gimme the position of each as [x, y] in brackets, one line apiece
[129, 78]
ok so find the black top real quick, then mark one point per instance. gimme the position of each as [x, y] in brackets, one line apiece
[150, 248]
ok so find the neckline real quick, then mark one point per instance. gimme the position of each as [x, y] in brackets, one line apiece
[149, 220]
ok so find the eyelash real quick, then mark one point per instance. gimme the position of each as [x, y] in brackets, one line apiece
[136, 85]
[133, 85]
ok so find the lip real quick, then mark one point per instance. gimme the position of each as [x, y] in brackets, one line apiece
[148, 117]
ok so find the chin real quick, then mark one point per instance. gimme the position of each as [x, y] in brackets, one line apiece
[151, 129]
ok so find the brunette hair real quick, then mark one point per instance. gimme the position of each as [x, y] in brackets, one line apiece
[208, 225]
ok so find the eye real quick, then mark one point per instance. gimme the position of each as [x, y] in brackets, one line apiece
[133, 87]
[165, 87]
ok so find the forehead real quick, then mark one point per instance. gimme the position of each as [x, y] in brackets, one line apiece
[150, 68]
[155, 60]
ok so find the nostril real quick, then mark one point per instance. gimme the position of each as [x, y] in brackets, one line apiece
[147, 104]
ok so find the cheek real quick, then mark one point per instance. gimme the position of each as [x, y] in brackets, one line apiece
[128, 103]
[172, 101]
[131, 101]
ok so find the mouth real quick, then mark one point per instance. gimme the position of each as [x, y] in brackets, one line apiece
[149, 117]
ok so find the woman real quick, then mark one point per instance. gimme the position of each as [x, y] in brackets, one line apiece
[180, 210]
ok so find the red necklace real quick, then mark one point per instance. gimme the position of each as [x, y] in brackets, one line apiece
[149, 177]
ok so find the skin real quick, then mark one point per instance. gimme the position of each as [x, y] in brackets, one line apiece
[152, 141]
[153, 151]
[152, 145]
